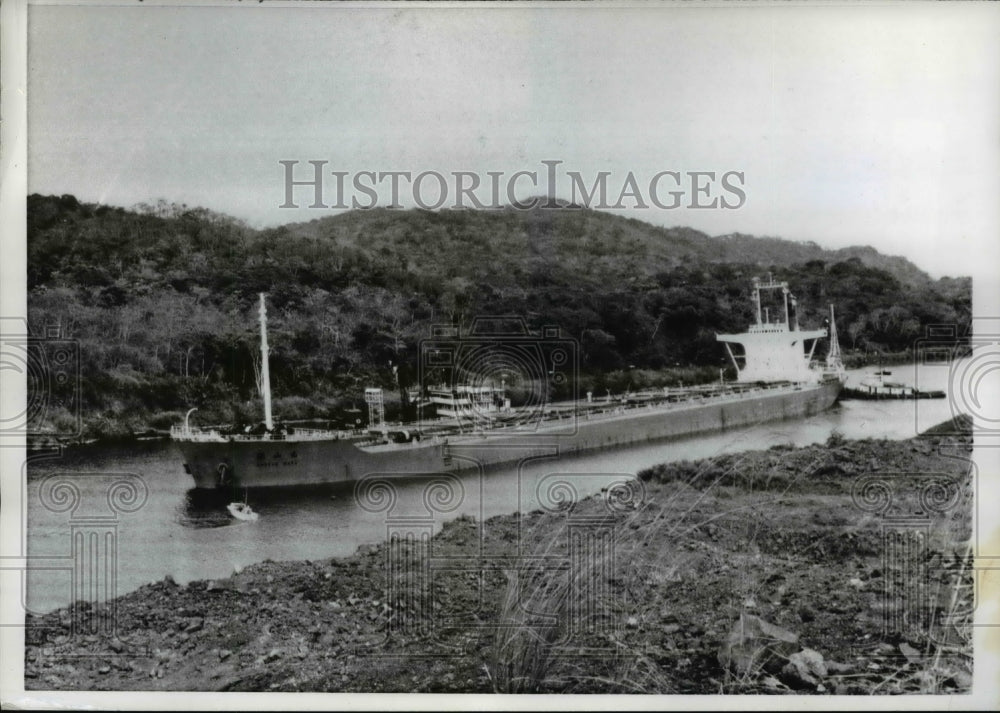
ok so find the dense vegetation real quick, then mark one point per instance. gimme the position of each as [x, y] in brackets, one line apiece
[162, 299]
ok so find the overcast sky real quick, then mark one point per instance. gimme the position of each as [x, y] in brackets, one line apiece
[864, 125]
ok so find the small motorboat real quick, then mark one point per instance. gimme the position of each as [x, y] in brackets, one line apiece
[242, 511]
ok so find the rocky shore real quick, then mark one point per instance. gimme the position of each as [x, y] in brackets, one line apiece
[835, 569]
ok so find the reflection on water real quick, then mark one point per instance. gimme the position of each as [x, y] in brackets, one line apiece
[190, 535]
[201, 509]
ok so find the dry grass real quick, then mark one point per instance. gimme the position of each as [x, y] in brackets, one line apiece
[542, 609]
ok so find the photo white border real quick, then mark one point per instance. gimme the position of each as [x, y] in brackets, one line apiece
[13, 191]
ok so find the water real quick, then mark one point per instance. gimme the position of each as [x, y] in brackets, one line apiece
[172, 533]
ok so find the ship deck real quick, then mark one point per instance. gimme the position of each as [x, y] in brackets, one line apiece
[550, 418]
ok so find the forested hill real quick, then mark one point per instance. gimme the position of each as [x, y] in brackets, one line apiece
[162, 298]
[585, 242]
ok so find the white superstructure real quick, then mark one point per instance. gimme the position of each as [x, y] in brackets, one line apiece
[774, 350]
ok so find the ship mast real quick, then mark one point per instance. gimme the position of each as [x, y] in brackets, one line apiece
[833, 360]
[265, 372]
[756, 297]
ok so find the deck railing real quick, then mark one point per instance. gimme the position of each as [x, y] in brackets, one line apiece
[210, 434]
[667, 399]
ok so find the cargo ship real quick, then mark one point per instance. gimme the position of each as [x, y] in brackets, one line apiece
[475, 425]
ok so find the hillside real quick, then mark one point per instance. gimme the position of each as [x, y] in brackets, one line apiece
[162, 299]
[587, 241]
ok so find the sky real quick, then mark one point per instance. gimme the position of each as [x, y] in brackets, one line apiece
[847, 125]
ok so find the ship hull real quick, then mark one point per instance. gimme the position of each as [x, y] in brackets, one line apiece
[252, 464]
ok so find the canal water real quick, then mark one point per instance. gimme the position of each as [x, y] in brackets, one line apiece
[133, 502]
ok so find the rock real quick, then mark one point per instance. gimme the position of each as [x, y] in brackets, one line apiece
[912, 655]
[804, 668]
[273, 655]
[671, 629]
[117, 645]
[961, 680]
[856, 583]
[195, 624]
[753, 644]
[774, 684]
[632, 623]
[104, 669]
[218, 672]
[225, 654]
[832, 667]
[927, 681]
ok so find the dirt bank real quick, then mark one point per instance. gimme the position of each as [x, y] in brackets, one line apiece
[841, 568]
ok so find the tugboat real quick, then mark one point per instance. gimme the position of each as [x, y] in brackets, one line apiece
[876, 387]
[476, 426]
